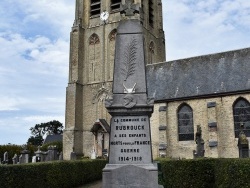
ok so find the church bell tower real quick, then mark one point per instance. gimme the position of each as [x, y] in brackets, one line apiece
[91, 64]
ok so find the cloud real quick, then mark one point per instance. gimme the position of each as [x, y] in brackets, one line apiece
[34, 53]
[202, 27]
[58, 13]
[46, 17]
[9, 103]
[39, 119]
[15, 129]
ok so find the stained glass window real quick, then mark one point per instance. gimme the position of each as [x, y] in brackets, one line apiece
[241, 112]
[185, 123]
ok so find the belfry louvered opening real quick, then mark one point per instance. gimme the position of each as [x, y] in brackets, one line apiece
[115, 5]
[95, 7]
[151, 12]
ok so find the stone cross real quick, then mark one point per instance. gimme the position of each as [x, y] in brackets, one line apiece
[243, 144]
[200, 143]
[129, 9]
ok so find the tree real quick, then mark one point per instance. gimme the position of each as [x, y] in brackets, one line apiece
[39, 130]
[35, 140]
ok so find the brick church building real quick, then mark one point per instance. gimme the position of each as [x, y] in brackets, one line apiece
[212, 91]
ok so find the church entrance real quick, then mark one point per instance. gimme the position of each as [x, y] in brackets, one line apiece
[101, 130]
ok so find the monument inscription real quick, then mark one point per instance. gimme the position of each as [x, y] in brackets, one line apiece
[130, 140]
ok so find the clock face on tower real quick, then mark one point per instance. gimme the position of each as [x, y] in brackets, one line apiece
[104, 16]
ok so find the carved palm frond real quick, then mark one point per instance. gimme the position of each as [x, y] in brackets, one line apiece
[129, 64]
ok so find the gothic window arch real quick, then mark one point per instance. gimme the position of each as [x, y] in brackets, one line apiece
[241, 113]
[94, 39]
[112, 35]
[94, 56]
[185, 123]
[151, 52]
[111, 53]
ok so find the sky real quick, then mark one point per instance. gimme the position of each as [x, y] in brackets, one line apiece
[34, 52]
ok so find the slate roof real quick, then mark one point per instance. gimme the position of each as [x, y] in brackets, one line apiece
[203, 76]
[53, 138]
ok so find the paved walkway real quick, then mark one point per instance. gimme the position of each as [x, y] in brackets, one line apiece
[97, 184]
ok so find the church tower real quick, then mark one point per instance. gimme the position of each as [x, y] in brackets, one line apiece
[92, 48]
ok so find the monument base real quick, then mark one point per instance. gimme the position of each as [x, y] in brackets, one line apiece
[130, 176]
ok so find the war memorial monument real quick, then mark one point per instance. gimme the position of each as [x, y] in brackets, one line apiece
[130, 156]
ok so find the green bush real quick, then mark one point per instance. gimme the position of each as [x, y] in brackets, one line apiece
[59, 146]
[232, 173]
[206, 173]
[188, 173]
[65, 174]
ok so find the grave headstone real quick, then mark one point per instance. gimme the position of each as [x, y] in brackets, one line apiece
[130, 154]
[15, 159]
[72, 155]
[39, 155]
[25, 156]
[61, 156]
[52, 153]
[5, 158]
[93, 154]
[34, 159]
[20, 159]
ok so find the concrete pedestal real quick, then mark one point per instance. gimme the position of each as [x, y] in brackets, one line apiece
[130, 176]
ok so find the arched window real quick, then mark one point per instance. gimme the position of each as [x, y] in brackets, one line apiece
[112, 35]
[151, 52]
[185, 123]
[94, 39]
[111, 53]
[94, 63]
[241, 112]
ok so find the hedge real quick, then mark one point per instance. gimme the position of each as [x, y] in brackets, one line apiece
[63, 174]
[198, 173]
[206, 173]
[233, 173]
